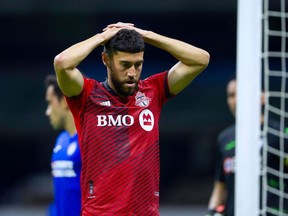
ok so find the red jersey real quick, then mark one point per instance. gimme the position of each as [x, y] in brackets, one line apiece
[119, 142]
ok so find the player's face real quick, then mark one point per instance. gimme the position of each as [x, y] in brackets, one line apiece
[56, 109]
[231, 96]
[124, 71]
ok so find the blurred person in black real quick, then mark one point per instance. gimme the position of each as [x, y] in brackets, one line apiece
[223, 191]
[223, 194]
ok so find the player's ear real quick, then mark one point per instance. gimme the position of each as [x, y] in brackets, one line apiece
[64, 103]
[105, 59]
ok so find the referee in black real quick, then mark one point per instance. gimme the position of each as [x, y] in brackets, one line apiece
[222, 199]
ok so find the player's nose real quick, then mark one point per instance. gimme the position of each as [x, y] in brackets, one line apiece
[48, 111]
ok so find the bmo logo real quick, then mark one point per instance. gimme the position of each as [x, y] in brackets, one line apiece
[146, 120]
[118, 121]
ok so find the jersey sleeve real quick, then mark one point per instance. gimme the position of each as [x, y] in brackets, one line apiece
[76, 103]
[159, 83]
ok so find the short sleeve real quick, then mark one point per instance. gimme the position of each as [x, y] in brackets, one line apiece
[159, 83]
[76, 104]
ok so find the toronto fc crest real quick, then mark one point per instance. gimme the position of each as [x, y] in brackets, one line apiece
[142, 100]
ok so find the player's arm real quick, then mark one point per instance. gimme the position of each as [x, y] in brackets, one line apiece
[192, 60]
[69, 78]
[218, 196]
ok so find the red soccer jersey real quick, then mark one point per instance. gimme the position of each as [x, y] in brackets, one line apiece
[119, 142]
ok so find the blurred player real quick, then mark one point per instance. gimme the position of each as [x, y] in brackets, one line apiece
[223, 191]
[66, 160]
[117, 120]
[223, 195]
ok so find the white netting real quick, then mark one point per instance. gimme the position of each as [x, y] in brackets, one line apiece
[274, 188]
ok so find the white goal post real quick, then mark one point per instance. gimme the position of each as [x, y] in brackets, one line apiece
[248, 69]
[261, 176]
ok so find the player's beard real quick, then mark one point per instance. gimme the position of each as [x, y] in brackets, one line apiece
[120, 87]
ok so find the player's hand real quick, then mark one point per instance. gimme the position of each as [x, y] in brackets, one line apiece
[112, 30]
[140, 31]
[121, 25]
[218, 211]
[118, 25]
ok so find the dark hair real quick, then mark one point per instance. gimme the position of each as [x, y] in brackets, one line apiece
[232, 78]
[51, 80]
[126, 40]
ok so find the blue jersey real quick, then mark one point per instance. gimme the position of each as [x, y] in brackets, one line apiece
[66, 168]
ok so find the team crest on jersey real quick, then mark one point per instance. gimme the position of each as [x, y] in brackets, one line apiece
[71, 148]
[229, 165]
[142, 100]
[146, 119]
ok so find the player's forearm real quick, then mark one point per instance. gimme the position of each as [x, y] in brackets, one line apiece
[214, 202]
[74, 55]
[184, 52]
[218, 196]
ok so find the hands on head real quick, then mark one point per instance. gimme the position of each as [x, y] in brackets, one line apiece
[112, 29]
[118, 25]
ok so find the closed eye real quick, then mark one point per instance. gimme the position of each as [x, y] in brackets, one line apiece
[126, 64]
[138, 64]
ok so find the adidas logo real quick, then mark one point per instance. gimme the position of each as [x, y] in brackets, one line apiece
[105, 103]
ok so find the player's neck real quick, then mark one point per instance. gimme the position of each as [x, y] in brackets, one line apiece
[70, 125]
[112, 90]
[72, 131]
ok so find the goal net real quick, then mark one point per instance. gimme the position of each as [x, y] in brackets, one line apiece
[274, 188]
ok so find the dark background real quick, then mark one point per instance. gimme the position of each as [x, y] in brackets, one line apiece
[34, 31]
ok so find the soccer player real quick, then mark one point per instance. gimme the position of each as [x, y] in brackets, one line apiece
[223, 191]
[223, 195]
[66, 159]
[117, 120]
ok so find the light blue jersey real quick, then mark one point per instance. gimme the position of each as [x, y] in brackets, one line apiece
[66, 168]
